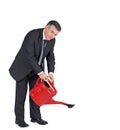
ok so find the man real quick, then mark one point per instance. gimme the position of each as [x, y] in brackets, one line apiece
[29, 64]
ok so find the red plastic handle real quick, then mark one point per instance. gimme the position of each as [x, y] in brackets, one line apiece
[51, 84]
[38, 81]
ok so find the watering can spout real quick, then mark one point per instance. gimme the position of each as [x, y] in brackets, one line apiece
[70, 105]
[52, 101]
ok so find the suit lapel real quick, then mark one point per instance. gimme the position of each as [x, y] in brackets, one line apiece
[40, 40]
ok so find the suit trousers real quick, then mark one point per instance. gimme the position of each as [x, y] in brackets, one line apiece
[21, 92]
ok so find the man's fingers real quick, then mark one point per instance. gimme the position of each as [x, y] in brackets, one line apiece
[43, 76]
[51, 78]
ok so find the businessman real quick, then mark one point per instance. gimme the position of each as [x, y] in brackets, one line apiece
[28, 65]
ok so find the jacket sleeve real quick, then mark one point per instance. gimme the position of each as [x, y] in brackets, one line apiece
[28, 49]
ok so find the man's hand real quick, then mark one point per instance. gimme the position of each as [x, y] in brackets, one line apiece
[51, 77]
[43, 76]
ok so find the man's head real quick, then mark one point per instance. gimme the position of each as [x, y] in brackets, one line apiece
[52, 29]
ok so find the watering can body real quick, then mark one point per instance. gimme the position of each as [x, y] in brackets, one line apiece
[43, 93]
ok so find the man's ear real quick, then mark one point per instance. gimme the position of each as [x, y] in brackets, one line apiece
[46, 27]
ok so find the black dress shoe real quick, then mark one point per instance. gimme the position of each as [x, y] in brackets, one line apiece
[39, 121]
[21, 124]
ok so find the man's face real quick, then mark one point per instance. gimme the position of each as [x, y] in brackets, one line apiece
[50, 32]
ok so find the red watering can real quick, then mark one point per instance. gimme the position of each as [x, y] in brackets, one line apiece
[43, 92]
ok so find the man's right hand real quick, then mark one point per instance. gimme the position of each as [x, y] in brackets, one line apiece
[43, 76]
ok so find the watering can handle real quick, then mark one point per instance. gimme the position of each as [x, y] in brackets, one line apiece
[38, 80]
[47, 81]
[50, 84]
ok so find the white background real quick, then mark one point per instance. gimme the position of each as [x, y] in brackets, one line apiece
[87, 61]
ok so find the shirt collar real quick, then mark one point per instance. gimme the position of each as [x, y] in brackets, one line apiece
[44, 35]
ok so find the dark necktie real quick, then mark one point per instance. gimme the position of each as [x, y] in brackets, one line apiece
[41, 55]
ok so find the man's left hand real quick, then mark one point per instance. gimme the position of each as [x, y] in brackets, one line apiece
[51, 76]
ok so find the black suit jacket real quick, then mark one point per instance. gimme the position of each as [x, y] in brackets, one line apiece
[26, 61]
